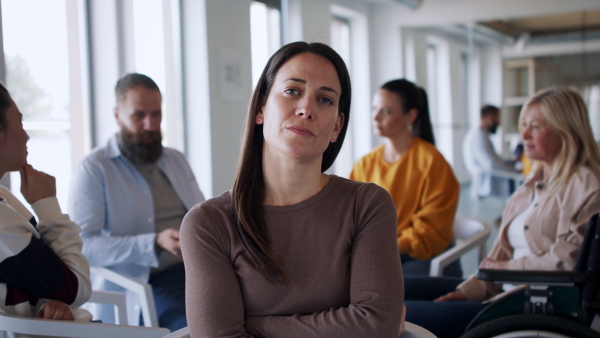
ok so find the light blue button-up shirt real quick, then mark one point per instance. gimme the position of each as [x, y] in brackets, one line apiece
[112, 203]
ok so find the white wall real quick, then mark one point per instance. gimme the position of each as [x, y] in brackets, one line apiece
[216, 107]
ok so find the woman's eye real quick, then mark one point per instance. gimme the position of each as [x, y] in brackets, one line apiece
[291, 91]
[326, 101]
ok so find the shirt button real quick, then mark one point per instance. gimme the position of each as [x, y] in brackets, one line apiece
[146, 192]
[535, 205]
[149, 219]
[526, 227]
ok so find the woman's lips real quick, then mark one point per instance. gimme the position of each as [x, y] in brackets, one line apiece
[299, 130]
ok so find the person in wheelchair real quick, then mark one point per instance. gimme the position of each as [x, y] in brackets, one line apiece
[544, 221]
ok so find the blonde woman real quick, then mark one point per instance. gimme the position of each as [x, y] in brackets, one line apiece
[544, 221]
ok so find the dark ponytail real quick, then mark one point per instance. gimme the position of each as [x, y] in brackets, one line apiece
[413, 96]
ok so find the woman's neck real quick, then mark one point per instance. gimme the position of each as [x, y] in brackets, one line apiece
[546, 171]
[397, 146]
[288, 182]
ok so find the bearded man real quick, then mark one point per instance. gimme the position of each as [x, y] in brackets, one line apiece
[129, 198]
[480, 152]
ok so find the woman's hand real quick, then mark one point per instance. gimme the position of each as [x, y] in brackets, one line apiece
[54, 309]
[493, 264]
[452, 297]
[36, 185]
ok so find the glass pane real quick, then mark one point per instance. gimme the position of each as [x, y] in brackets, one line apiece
[340, 41]
[265, 36]
[37, 74]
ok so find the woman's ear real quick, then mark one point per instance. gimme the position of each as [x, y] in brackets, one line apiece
[259, 118]
[413, 114]
[337, 129]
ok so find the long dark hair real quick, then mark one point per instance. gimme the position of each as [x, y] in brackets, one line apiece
[413, 96]
[249, 187]
[5, 102]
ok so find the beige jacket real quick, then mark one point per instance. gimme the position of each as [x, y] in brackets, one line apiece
[554, 229]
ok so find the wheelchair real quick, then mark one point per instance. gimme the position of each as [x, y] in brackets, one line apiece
[554, 304]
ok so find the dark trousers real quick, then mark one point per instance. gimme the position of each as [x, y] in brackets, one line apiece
[168, 288]
[444, 319]
[416, 267]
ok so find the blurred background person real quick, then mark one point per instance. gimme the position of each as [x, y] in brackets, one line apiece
[480, 154]
[420, 181]
[544, 221]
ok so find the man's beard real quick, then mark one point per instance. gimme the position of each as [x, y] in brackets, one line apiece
[492, 128]
[137, 148]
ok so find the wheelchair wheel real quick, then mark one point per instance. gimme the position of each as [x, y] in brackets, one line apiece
[531, 326]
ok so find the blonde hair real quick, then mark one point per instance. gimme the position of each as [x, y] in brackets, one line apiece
[567, 114]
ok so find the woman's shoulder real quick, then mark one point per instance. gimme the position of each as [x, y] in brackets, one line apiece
[427, 149]
[214, 210]
[428, 155]
[361, 190]
[585, 178]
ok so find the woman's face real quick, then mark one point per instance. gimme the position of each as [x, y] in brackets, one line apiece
[13, 147]
[541, 141]
[389, 118]
[300, 115]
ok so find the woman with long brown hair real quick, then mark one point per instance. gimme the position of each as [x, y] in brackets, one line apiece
[291, 251]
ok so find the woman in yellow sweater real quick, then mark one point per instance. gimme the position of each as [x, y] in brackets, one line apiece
[420, 181]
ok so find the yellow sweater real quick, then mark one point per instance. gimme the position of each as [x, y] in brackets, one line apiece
[425, 192]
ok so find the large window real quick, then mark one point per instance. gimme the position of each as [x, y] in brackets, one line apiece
[36, 51]
[265, 32]
[340, 41]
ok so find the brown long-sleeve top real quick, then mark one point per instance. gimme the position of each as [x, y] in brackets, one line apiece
[554, 229]
[338, 247]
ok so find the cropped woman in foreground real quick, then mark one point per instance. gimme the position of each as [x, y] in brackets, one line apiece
[544, 221]
[291, 251]
[42, 270]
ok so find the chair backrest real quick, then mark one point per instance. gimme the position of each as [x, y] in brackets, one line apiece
[588, 240]
[472, 233]
[141, 290]
[588, 262]
[415, 331]
[181, 333]
[467, 227]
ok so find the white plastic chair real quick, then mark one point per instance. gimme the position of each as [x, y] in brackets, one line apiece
[410, 331]
[141, 289]
[61, 328]
[415, 331]
[181, 333]
[117, 299]
[470, 233]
